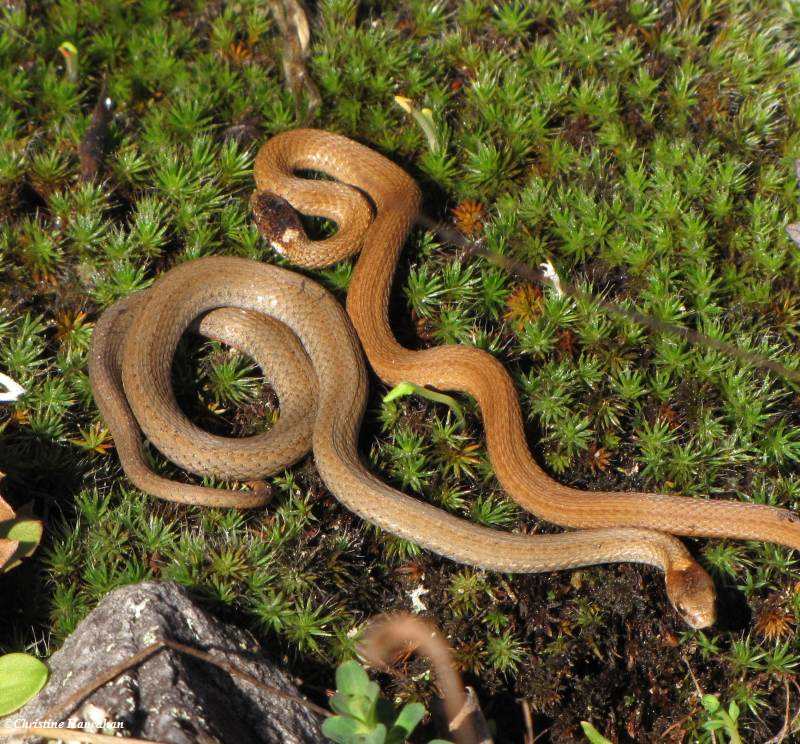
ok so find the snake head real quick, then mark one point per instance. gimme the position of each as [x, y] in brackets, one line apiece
[276, 220]
[691, 592]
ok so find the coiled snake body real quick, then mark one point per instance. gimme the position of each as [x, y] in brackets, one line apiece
[260, 308]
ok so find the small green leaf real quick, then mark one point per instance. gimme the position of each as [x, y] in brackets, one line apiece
[342, 730]
[21, 677]
[592, 734]
[372, 692]
[714, 725]
[409, 388]
[410, 717]
[400, 391]
[376, 736]
[343, 704]
[710, 703]
[351, 679]
[358, 707]
[733, 710]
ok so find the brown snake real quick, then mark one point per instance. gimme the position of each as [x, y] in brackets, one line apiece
[135, 340]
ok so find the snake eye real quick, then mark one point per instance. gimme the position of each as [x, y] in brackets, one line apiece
[688, 616]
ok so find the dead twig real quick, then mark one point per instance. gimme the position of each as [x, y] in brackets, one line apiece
[60, 711]
[527, 717]
[74, 735]
[545, 278]
[292, 21]
[788, 721]
[232, 670]
[680, 722]
[697, 687]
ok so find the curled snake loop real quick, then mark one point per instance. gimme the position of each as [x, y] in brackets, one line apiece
[321, 383]
[246, 304]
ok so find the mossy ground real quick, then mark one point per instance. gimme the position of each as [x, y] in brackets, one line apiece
[647, 149]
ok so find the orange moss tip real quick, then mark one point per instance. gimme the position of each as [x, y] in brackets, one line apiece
[523, 305]
[599, 458]
[469, 216]
[773, 621]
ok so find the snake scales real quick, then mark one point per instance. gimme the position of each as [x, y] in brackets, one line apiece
[309, 350]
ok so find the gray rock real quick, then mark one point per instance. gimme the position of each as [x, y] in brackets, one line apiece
[171, 697]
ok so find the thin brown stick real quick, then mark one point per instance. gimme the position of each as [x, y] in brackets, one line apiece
[226, 667]
[788, 721]
[694, 679]
[680, 722]
[782, 733]
[58, 712]
[527, 717]
[292, 22]
[74, 735]
[655, 325]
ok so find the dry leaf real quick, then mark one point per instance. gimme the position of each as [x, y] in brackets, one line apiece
[7, 550]
[6, 512]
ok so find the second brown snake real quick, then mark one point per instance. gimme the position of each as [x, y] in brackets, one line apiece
[320, 378]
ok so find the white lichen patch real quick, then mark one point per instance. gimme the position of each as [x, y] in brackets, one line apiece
[13, 390]
[136, 609]
[417, 605]
[551, 275]
[93, 718]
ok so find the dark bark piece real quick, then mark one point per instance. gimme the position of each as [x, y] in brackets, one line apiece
[172, 697]
[92, 148]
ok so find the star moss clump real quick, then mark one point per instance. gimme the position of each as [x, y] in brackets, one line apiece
[647, 150]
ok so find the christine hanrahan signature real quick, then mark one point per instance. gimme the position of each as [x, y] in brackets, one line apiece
[93, 725]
